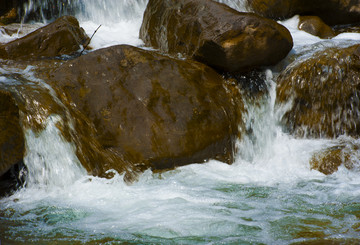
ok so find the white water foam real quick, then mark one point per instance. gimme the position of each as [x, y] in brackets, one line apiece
[51, 161]
[307, 43]
[266, 196]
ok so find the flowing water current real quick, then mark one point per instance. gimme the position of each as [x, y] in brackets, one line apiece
[268, 196]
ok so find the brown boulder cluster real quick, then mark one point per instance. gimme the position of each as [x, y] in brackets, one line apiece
[324, 91]
[131, 109]
[214, 34]
[332, 12]
[321, 18]
[62, 37]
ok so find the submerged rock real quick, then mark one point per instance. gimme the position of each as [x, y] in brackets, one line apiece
[62, 37]
[332, 12]
[149, 110]
[214, 34]
[328, 160]
[324, 93]
[315, 26]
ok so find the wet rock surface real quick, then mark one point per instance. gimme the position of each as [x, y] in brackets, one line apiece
[315, 26]
[332, 12]
[8, 5]
[214, 34]
[34, 102]
[323, 92]
[150, 110]
[62, 37]
[11, 135]
[328, 160]
[10, 17]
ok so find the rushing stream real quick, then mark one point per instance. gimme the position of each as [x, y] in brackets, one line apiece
[268, 196]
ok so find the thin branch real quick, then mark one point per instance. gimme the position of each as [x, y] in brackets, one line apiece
[89, 41]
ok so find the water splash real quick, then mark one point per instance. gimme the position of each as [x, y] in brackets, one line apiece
[112, 11]
[51, 161]
[102, 11]
[239, 5]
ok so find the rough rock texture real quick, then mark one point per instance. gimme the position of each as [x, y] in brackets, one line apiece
[324, 91]
[26, 105]
[315, 26]
[330, 159]
[354, 28]
[7, 5]
[9, 17]
[11, 135]
[214, 34]
[150, 110]
[62, 37]
[332, 12]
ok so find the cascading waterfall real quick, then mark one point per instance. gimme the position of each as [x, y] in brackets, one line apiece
[50, 160]
[102, 11]
[268, 196]
[261, 123]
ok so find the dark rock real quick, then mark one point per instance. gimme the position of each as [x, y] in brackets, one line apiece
[332, 12]
[7, 5]
[11, 135]
[354, 28]
[62, 37]
[9, 17]
[13, 179]
[214, 34]
[150, 110]
[315, 26]
[325, 92]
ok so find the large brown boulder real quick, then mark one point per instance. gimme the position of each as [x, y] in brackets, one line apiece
[333, 12]
[62, 37]
[324, 91]
[150, 110]
[214, 34]
[315, 26]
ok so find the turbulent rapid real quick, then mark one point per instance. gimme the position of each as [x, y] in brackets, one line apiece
[269, 195]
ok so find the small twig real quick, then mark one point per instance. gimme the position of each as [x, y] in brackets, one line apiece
[89, 40]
